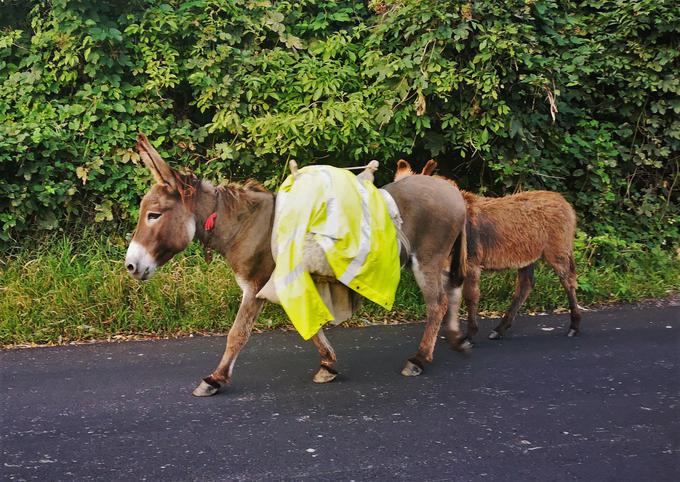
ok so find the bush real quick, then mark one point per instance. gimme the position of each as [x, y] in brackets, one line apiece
[235, 89]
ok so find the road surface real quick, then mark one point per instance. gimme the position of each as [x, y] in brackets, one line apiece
[533, 406]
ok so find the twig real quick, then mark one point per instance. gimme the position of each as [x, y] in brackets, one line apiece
[551, 101]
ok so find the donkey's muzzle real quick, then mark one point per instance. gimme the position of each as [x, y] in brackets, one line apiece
[136, 273]
[139, 262]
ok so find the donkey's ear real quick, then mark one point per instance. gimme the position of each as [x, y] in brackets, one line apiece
[162, 173]
[403, 170]
[429, 168]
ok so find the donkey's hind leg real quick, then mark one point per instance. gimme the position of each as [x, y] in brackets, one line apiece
[565, 269]
[429, 280]
[525, 283]
[326, 372]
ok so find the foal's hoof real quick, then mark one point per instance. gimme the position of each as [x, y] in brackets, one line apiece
[572, 332]
[411, 369]
[325, 375]
[494, 335]
[458, 343]
[465, 345]
[205, 389]
[462, 345]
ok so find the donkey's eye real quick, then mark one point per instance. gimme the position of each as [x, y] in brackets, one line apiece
[153, 216]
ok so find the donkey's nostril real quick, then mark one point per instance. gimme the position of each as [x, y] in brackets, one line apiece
[130, 267]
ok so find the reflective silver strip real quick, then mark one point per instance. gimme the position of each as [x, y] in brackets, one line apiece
[281, 199]
[395, 216]
[282, 247]
[332, 224]
[364, 239]
[326, 243]
[331, 227]
[290, 277]
[392, 207]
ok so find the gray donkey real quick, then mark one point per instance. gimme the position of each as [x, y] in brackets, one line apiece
[239, 226]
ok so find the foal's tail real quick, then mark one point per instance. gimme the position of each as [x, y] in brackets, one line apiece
[459, 257]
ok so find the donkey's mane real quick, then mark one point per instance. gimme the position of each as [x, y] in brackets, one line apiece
[235, 193]
[232, 193]
[249, 185]
[235, 189]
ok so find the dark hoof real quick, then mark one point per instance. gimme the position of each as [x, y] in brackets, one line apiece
[465, 345]
[462, 345]
[572, 333]
[458, 343]
[494, 335]
[411, 369]
[325, 375]
[205, 389]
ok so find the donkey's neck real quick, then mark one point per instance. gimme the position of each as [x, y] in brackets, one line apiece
[242, 229]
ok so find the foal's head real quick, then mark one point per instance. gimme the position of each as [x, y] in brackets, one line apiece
[166, 222]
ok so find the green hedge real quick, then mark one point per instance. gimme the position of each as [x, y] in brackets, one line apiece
[236, 88]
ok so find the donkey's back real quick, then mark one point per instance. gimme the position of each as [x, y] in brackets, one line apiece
[514, 231]
[431, 208]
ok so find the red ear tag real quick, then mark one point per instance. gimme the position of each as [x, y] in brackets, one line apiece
[210, 222]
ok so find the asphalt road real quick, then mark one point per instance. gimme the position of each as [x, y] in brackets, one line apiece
[534, 406]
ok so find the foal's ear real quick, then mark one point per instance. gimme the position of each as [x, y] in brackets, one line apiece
[162, 173]
[403, 170]
[429, 168]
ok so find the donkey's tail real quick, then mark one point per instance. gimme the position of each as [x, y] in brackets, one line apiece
[459, 257]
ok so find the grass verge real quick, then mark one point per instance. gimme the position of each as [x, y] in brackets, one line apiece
[64, 289]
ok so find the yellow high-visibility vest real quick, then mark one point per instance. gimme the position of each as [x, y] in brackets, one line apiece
[349, 219]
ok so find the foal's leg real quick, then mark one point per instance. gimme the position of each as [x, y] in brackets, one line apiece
[565, 269]
[471, 295]
[238, 336]
[525, 283]
[326, 373]
[451, 321]
[429, 280]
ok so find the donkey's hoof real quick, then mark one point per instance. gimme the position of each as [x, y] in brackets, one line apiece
[205, 389]
[325, 375]
[572, 332]
[494, 335]
[411, 369]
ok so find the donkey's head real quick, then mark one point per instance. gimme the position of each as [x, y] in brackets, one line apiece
[166, 222]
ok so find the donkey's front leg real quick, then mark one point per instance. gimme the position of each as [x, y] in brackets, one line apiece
[238, 336]
[326, 373]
